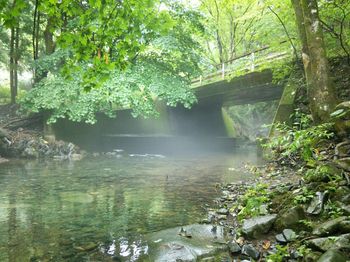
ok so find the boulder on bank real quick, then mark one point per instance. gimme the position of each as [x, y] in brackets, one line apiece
[29, 144]
[330, 227]
[332, 256]
[257, 226]
[290, 218]
[331, 242]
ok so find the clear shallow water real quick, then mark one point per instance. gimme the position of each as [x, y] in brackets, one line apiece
[96, 208]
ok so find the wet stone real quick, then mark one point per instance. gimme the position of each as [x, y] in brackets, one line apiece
[263, 210]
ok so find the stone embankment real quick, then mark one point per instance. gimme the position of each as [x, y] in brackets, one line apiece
[31, 145]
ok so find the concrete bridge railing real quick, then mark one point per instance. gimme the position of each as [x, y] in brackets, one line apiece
[242, 64]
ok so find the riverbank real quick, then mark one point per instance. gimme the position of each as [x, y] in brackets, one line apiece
[23, 137]
[293, 210]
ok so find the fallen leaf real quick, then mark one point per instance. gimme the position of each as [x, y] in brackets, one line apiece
[266, 244]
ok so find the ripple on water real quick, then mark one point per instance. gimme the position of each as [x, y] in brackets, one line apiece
[101, 207]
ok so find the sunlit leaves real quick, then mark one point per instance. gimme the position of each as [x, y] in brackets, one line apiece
[135, 88]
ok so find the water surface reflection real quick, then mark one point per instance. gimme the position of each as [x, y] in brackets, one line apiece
[99, 207]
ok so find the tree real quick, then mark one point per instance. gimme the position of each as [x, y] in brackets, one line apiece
[161, 70]
[9, 18]
[321, 93]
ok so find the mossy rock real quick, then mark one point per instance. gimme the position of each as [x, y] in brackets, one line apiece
[291, 218]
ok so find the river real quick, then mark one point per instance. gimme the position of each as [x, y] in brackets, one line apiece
[97, 209]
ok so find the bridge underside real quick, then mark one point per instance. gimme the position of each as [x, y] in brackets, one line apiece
[205, 121]
[248, 89]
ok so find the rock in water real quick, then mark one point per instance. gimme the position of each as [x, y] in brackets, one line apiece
[332, 256]
[168, 246]
[257, 226]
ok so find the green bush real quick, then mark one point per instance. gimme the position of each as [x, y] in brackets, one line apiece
[300, 140]
[252, 200]
[5, 94]
[323, 173]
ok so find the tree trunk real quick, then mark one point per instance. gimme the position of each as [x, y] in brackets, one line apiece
[302, 35]
[35, 38]
[16, 58]
[48, 35]
[321, 93]
[34, 34]
[220, 47]
[12, 66]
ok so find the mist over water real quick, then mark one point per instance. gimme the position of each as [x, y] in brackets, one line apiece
[102, 206]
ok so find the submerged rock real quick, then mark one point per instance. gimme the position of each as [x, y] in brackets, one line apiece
[3, 160]
[332, 256]
[257, 226]
[167, 245]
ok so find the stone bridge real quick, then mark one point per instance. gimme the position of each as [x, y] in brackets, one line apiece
[207, 120]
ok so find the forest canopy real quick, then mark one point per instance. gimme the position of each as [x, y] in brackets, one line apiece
[103, 55]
